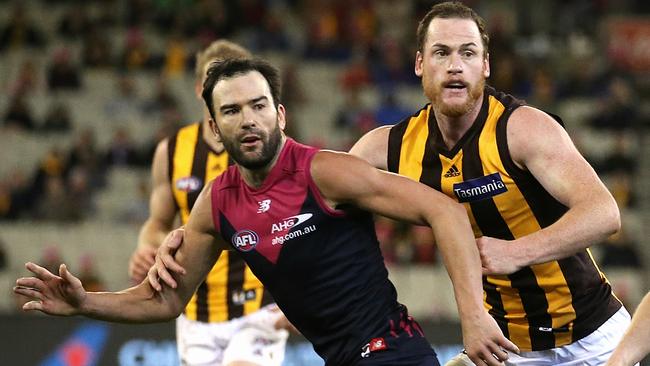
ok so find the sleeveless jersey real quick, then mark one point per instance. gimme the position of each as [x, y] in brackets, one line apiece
[230, 289]
[539, 307]
[323, 266]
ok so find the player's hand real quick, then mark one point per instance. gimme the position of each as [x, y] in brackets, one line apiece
[165, 262]
[498, 257]
[52, 294]
[484, 342]
[141, 260]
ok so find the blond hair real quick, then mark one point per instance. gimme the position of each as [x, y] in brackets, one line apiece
[216, 51]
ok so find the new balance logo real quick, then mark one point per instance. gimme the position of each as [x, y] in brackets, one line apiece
[452, 172]
[265, 205]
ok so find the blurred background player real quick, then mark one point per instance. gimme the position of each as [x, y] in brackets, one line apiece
[214, 327]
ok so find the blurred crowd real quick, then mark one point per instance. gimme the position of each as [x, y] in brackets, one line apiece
[546, 52]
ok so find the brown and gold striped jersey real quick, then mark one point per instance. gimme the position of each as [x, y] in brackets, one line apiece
[230, 289]
[538, 307]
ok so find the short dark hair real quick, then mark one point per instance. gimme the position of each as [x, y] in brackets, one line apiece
[223, 69]
[449, 10]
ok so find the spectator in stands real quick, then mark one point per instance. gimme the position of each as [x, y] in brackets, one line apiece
[51, 257]
[79, 194]
[85, 154]
[15, 197]
[211, 20]
[619, 107]
[62, 73]
[20, 32]
[354, 118]
[89, 275]
[121, 150]
[621, 157]
[53, 165]
[392, 65]
[126, 103]
[6, 206]
[423, 243]
[57, 118]
[356, 73]
[137, 210]
[390, 111]
[136, 54]
[75, 22]
[162, 100]
[26, 81]
[621, 251]
[96, 48]
[19, 114]
[271, 34]
[176, 56]
[324, 29]
[56, 204]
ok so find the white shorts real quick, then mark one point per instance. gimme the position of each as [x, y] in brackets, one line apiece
[252, 338]
[592, 350]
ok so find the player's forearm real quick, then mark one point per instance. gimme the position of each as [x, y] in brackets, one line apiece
[460, 255]
[153, 233]
[635, 345]
[140, 304]
[580, 227]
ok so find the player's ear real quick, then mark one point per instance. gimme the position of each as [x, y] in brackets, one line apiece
[215, 129]
[419, 59]
[282, 117]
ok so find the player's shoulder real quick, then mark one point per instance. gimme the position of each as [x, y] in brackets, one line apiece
[229, 179]
[529, 121]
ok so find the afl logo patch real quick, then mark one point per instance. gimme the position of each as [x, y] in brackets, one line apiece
[245, 240]
[189, 184]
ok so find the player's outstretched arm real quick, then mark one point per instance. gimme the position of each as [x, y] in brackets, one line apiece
[635, 343]
[162, 212]
[64, 294]
[343, 178]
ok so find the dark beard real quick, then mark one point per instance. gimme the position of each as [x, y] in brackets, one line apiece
[435, 96]
[269, 150]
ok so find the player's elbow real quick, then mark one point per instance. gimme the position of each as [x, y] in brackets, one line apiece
[605, 216]
[448, 207]
[175, 309]
[612, 219]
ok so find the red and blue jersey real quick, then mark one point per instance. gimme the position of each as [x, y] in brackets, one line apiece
[323, 266]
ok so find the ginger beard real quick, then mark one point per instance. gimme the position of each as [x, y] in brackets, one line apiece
[434, 92]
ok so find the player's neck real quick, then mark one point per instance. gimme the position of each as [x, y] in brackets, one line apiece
[254, 178]
[454, 128]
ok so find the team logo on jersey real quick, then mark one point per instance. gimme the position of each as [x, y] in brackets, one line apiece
[245, 240]
[264, 205]
[478, 189]
[189, 184]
